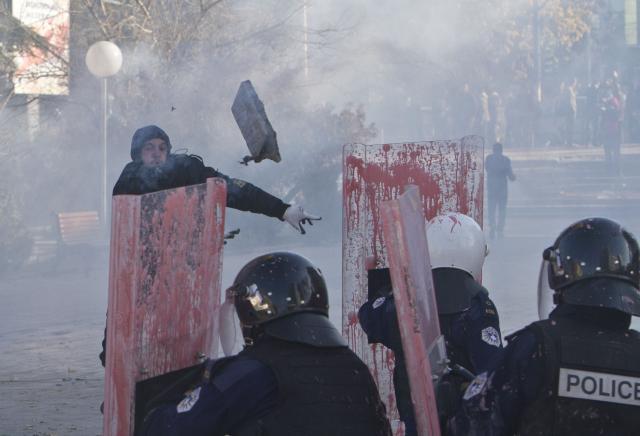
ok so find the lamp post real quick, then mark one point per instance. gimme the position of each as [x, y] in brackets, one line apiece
[104, 59]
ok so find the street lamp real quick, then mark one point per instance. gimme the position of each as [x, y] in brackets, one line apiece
[104, 59]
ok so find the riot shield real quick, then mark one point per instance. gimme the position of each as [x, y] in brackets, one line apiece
[164, 288]
[449, 176]
[403, 226]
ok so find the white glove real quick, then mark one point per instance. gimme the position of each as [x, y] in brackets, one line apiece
[296, 217]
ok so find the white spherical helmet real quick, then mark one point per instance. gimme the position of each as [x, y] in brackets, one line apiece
[456, 241]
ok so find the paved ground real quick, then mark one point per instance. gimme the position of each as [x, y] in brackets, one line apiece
[51, 324]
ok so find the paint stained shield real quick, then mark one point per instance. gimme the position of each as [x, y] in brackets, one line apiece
[415, 301]
[164, 289]
[449, 177]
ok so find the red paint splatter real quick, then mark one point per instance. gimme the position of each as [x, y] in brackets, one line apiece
[455, 222]
[449, 175]
[353, 318]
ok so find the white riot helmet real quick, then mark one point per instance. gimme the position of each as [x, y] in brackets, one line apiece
[456, 241]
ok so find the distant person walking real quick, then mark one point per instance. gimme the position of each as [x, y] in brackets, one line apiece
[611, 127]
[566, 109]
[498, 168]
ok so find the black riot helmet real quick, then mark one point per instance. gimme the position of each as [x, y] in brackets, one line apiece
[284, 295]
[595, 262]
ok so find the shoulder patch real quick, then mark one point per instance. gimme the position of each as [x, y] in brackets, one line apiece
[189, 400]
[476, 386]
[491, 336]
[489, 306]
[378, 302]
[239, 183]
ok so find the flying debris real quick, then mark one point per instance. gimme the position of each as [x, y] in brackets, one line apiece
[231, 235]
[248, 111]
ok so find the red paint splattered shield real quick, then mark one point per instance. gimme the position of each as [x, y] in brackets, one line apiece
[164, 287]
[404, 233]
[449, 176]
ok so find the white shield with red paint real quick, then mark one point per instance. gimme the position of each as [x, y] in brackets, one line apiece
[405, 238]
[449, 176]
[164, 289]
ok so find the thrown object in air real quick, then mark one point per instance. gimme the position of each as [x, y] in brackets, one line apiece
[248, 111]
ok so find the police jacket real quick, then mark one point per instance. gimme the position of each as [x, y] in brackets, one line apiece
[468, 320]
[277, 387]
[184, 170]
[470, 324]
[577, 373]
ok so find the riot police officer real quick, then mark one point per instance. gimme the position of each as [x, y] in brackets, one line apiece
[578, 371]
[468, 318]
[295, 375]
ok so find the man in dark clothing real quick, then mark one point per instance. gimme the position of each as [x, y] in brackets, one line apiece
[154, 168]
[468, 318]
[578, 372]
[295, 376]
[498, 168]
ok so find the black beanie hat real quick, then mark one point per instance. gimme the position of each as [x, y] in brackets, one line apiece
[144, 134]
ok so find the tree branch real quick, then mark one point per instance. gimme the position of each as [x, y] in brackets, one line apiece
[99, 22]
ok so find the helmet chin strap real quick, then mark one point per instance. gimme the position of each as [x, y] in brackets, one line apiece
[252, 334]
[557, 298]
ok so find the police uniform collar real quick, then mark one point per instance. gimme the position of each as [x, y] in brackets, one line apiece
[454, 290]
[309, 328]
[596, 316]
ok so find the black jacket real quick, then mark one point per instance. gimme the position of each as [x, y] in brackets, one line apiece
[321, 391]
[184, 170]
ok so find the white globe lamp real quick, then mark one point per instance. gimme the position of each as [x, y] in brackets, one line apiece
[104, 59]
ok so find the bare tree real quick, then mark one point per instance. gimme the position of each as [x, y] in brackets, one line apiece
[183, 61]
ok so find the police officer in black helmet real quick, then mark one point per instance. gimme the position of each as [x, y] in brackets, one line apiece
[578, 371]
[295, 375]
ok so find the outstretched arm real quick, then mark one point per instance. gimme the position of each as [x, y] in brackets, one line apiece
[244, 196]
[243, 390]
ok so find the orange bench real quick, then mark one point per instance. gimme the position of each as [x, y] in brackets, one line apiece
[79, 228]
[80, 233]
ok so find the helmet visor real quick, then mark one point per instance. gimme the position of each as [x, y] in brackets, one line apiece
[545, 293]
[231, 338]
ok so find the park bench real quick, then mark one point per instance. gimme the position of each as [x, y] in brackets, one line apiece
[79, 234]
